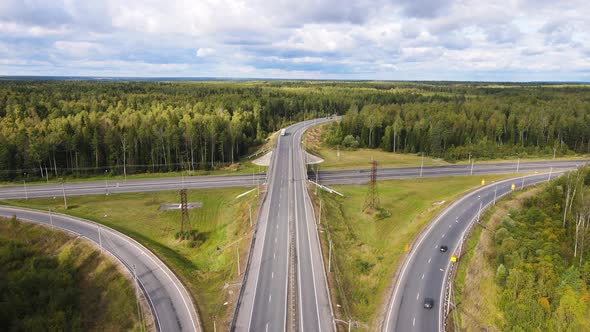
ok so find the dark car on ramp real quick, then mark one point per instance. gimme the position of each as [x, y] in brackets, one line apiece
[443, 248]
[428, 303]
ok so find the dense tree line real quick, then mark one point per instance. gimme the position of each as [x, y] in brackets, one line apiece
[486, 123]
[52, 128]
[541, 259]
[57, 128]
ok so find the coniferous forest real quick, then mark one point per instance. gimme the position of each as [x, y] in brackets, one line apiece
[60, 128]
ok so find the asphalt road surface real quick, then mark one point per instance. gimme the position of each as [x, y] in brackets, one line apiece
[170, 302]
[248, 180]
[425, 270]
[362, 176]
[130, 186]
[263, 303]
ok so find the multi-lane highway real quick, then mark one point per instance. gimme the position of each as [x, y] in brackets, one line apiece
[169, 300]
[425, 270]
[265, 302]
[362, 176]
[140, 185]
[221, 181]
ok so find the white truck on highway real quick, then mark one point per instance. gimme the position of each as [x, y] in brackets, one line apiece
[283, 132]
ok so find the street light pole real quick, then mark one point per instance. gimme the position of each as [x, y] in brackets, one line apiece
[63, 189]
[550, 172]
[238, 254]
[320, 216]
[330, 257]
[316, 179]
[250, 210]
[106, 182]
[51, 219]
[472, 162]
[495, 191]
[25, 185]
[422, 164]
[517, 165]
[479, 212]
[99, 238]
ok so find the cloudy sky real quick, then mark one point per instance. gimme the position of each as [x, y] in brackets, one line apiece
[492, 40]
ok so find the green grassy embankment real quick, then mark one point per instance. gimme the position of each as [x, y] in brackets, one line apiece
[360, 158]
[476, 290]
[368, 248]
[207, 264]
[50, 280]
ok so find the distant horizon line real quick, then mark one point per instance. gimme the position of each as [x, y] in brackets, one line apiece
[245, 79]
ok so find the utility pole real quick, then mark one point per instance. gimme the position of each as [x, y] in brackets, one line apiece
[517, 165]
[63, 189]
[550, 172]
[472, 162]
[25, 185]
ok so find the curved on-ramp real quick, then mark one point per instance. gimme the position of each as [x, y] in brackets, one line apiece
[169, 300]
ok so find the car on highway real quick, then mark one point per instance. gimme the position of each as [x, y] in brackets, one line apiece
[443, 248]
[428, 303]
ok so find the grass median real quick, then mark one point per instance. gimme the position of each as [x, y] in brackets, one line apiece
[368, 247]
[207, 263]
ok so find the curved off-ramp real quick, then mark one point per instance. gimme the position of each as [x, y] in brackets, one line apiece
[425, 271]
[169, 300]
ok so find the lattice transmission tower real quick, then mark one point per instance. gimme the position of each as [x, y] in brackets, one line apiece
[372, 200]
[184, 220]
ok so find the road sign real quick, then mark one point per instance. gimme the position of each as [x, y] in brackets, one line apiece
[483, 182]
[453, 258]
[512, 187]
[406, 247]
